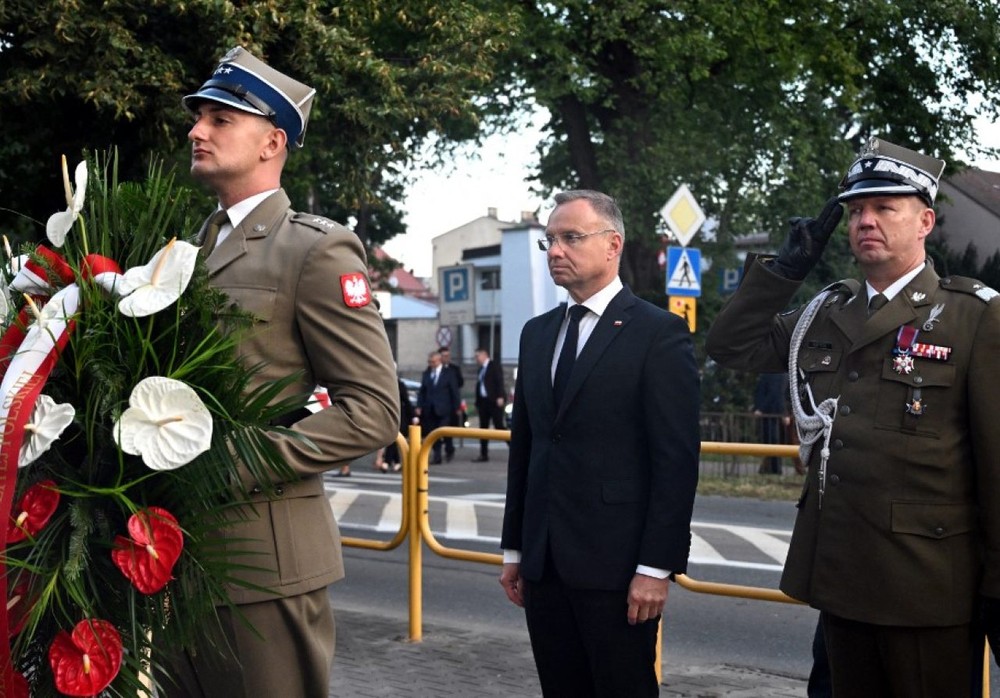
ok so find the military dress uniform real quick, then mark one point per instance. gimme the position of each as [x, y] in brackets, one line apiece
[899, 533]
[303, 280]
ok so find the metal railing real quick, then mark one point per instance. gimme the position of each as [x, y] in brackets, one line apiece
[415, 526]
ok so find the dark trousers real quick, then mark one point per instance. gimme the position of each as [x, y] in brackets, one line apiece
[902, 662]
[429, 421]
[488, 412]
[583, 644]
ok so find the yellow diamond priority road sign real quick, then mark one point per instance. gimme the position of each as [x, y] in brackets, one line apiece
[683, 215]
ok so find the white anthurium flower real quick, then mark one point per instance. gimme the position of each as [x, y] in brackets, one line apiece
[151, 288]
[59, 223]
[48, 421]
[166, 423]
[49, 321]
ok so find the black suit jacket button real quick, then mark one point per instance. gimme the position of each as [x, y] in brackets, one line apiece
[556, 438]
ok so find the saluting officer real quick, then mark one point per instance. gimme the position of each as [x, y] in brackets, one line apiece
[304, 279]
[894, 385]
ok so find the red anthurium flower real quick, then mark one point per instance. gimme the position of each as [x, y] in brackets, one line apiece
[33, 511]
[22, 600]
[85, 662]
[149, 557]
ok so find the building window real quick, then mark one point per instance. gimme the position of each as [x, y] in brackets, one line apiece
[490, 280]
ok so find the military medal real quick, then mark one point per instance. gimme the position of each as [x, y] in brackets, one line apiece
[902, 362]
[915, 406]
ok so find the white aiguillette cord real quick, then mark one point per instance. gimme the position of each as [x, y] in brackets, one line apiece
[810, 427]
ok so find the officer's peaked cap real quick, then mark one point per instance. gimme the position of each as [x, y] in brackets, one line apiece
[245, 82]
[885, 169]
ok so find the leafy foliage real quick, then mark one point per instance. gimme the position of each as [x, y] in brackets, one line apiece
[389, 76]
[67, 566]
[757, 106]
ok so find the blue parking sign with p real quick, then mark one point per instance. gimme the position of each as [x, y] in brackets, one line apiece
[456, 284]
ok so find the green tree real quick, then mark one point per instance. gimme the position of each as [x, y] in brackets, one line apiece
[390, 75]
[758, 106]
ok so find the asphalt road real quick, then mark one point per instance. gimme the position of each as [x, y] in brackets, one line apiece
[700, 629]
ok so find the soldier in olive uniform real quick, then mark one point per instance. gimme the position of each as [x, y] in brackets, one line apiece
[305, 281]
[894, 384]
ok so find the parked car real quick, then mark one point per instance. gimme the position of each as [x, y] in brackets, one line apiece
[412, 390]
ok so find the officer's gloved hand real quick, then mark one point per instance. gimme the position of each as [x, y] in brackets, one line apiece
[989, 618]
[805, 242]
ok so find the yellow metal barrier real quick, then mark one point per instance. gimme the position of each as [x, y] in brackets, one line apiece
[416, 518]
[404, 526]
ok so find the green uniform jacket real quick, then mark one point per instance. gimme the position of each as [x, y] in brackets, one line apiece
[286, 269]
[909, 528]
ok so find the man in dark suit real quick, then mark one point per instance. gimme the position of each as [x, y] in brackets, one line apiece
[490, 400]
[277, 265]
[894, 384]
[455, 372]
[603, 464]
[437, 400]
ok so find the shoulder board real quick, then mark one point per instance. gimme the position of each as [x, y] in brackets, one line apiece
[850, 287]
[320, 223]
[974, 287]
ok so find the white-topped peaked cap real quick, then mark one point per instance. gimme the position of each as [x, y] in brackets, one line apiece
[245, 82]
[885, 169]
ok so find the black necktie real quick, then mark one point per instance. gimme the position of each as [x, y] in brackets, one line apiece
[876, 302]
[567, 357]
[215, 223]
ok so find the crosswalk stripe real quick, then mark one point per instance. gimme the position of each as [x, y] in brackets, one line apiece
[392, 515]
[461, 520]
[341, 500]
[702, 550]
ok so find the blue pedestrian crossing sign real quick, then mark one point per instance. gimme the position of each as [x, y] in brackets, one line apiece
[683, 271]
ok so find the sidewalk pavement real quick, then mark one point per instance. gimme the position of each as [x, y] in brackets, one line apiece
[374, 658]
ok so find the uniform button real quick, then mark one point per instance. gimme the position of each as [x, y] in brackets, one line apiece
[279, 490]
[845, 410]
[939, 531]
[256, 490]
[946, 281]
[837, 444]
[834, 479]
[556, 438]
[918, 380]
[852, 376]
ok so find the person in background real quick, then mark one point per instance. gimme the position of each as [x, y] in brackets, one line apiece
[490, 394]
[277, 265]
[894, 382]
[437, 401]
[407, 416]
[457, 418]
[603, 464]
[769, 408]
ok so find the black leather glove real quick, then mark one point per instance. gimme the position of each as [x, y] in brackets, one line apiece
[805, 242]
[989, 619]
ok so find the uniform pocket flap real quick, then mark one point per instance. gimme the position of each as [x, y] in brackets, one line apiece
[932, 520]
[926, 373]
[819, 359]
[257, 300]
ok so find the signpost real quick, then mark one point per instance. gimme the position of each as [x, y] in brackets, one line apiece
[684, 217]
[458, 295]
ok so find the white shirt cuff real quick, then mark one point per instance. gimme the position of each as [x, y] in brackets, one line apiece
[652, 572]
[512, 556]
